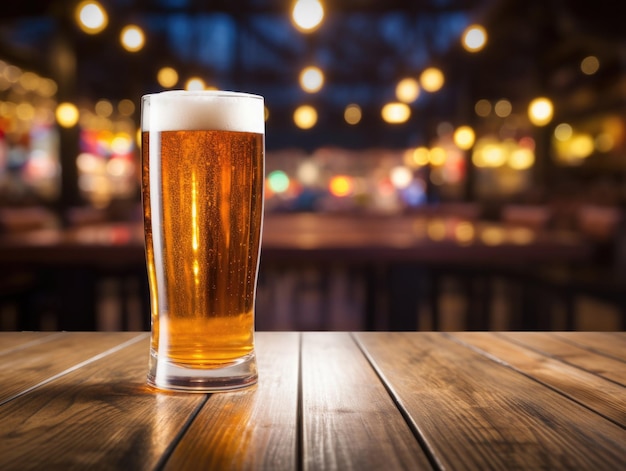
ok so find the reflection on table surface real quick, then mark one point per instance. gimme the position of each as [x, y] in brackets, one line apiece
[422, 237]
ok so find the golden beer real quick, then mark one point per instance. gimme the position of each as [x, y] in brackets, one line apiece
[203, 211]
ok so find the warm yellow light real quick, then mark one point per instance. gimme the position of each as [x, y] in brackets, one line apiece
[121, 143]
[352, 114]
[307, 15]
[311, 79]
[503, 108]
[132, 38]
[47, 88]
[590, 65]
[421, 156]
[437, 156]
[341, 185]
[436, 229]
[407, 90]
[563, 132]
[305, 117]
[91, 17]
[474, 38]
[494, 155]
[581, 146]
[67, 114]
[521, 159]
[104, 108]
[488, 152]
[25, 111]
[604, 142]
[266, 113]
[401, 176]
[540, 111]
[483, 108]
[126, 107]
[396, 113]
[29, 81]
[195, 84]
[492, 235]
[464, 137]
[167, 77]
[432, 79]
[464, 232]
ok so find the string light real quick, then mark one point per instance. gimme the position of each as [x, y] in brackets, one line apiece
[311, 79]
[474, 38]
[396, 113]
[305, 117]
[132, 38]
[67, 115]
[307, 15]
[91, 17]
[540, 111]
[432, 79]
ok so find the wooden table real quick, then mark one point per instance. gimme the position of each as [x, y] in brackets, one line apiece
[324, 401]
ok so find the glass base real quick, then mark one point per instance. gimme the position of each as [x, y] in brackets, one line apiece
[172, 377]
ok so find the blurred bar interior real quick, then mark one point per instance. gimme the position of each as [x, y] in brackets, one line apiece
[431, 164]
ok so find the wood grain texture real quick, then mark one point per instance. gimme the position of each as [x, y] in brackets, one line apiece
[596, 393]
[252, 429]
[40, 361]
[101, 416]
[553, 346]
[612, 344]
[349, 420]
[476, 413]
[17, 340]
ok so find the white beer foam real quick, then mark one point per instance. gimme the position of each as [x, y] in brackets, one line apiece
[179, 110]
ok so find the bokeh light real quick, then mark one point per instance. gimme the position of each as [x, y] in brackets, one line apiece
[432, 79]
[407, 90]
[167, 77]
[278, 181]
[341, 185]
[540, 111]
[353, 114]
[307, 15]
[590, 65]
[311, 79]
[305, 117]
[67, 114]
[474, 38]
[132, 38]
[396, 113]
[464, 137]
[91, 17]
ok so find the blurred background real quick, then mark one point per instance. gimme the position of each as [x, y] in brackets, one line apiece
[430, 164]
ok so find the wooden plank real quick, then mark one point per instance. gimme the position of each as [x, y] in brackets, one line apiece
[101, 416]
[254, 428]
[596, 393]
[476, 413]
[551, 345]
[612, 344]
[42, 360]
[17, 340]
[349, 421]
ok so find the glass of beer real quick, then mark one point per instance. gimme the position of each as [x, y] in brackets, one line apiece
[202, 194]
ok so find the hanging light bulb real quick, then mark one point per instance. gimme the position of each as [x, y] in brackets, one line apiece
[132, 38]
[91, 17]
[307, 15]
[311, 79]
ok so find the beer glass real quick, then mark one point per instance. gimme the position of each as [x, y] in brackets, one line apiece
[202, 194]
